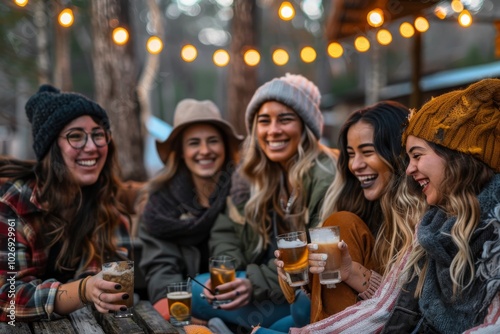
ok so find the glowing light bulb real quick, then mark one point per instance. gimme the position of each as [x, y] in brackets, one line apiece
[421, 24]
[375, 17]
[280, 57]
[308, 54]
[362, 44]
[66, 18]
[154, 45]
[384, 37]
[251, 57]
[221, 58]
[335, 50]
[189, 53]
[406, 30]
[120, 36]
[465, 19]
[286, 11]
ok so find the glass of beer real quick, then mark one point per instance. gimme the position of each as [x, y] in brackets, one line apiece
[294, 254]
[121, 272]
[327, 239]
[179, 303]
[222, 270]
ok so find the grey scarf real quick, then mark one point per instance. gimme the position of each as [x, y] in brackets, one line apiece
[448, 314]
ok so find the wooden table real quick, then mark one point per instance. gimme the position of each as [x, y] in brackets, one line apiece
[85, 320]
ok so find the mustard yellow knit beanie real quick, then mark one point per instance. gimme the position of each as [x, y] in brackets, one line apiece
[465, 120]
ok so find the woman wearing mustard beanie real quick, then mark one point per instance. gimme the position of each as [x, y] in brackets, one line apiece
[450, 279]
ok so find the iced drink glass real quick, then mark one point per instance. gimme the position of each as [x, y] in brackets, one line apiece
[179, 303]
[294, 253]
[121, 272]
[327, 239]
[222, 270]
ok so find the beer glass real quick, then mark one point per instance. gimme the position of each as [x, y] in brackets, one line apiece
[294, 253]
[179, 303]
[222, 270]
[121, 272]
[327, 239]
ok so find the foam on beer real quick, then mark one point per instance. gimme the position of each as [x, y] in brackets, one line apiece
[282, 243]
[323, 236]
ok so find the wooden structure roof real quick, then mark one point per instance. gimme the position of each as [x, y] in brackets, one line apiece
[347, 18]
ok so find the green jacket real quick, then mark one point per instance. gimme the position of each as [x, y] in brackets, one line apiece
[232, 236]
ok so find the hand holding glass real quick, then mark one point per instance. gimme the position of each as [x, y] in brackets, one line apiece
[294, 253]
[327, 239]
[222, 270]
[121, 272]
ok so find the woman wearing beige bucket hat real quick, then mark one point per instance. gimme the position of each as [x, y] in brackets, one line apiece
[182, 202]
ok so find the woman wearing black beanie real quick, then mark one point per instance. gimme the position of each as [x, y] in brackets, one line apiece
[61, 212]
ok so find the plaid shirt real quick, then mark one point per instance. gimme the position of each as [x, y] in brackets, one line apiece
[23, 257]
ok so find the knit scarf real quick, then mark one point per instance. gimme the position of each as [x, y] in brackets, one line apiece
[448, 314]
[173, 212]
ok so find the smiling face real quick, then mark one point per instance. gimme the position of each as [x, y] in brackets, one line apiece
[278, 130]
[203, 150]
[84, 164]
[426, 168]
[365, 163]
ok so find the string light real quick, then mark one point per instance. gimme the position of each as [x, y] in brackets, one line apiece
[465, 19]
[280, 57]
[457, 6]
[362, 44]
[21, 3]
[251, 57]
[189, 53]
[66, 18]
[384, 37]
[335, 50]
[286, 11]
[421, 24]
[120, 35]
[375, 17]
[440, 12]
[406, 30]
[308, 54]
[154, 45]
[221, 58]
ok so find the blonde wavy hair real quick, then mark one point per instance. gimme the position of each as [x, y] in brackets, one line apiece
[464, 177]
[264, 177]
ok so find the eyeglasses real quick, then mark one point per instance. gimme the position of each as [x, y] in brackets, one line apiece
[78, 138]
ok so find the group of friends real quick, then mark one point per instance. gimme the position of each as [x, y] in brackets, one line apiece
[416, 194]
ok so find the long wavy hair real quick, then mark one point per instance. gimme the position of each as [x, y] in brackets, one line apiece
[265, 179]
[83, 220]
[175, 163]
[464, 177]
[392, 218]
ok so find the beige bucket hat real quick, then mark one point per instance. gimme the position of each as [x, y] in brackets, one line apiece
[191, 111]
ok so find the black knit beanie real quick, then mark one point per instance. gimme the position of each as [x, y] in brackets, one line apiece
[49, 111]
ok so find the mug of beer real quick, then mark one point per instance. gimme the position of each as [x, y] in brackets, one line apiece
[327, 239]
[179, 303]
[222, 270]
[294, 254]
[121, 272]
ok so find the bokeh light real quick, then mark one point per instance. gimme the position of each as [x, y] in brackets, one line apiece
[189, 53]
[308, 54]
[362, 44]
[384, 37]
[280, 57]
[251, 57]
[335, 50]
[221, 58]
[154, 45]
[120, 35]
[66, 18]
[406, 30]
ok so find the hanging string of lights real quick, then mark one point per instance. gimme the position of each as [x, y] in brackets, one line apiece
[280, 56]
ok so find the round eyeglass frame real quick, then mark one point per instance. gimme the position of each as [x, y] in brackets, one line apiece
[91, 134]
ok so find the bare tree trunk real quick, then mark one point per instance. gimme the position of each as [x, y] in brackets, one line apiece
[42, 41]
[62, 68]
[242, 78]
[115, 83]
[151, 67]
